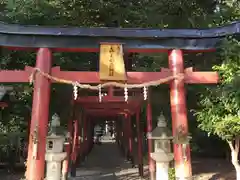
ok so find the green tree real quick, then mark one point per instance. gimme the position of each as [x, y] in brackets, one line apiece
[220, 105]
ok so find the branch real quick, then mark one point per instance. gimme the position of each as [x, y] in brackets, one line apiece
[230, 145]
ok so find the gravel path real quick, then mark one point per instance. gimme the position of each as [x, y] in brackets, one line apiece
[106, 163]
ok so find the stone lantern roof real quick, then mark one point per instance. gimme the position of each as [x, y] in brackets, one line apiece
[161, 131]
[55, 126]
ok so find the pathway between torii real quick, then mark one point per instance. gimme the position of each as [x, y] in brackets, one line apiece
[106, 163]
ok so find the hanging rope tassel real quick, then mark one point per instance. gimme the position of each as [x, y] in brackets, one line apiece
[75, 91]
[126, 94]
[145, 93]
[100, 92]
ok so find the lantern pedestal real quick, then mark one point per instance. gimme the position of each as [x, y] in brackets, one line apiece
[54, 151]
[162, 148]
[162, 164]
[54, 156]
[54, 165]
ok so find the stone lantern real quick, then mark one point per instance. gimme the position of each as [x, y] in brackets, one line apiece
[54, 151]
[4, 90]
[162, 148]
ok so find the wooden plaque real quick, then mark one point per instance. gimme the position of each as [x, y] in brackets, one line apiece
[111, 66]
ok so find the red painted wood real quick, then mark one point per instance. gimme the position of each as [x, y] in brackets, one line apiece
[151, 162]
[114, 99]
[119, 90]
[111, 91]
[129, 134]
[113, 113]
[179, 114]
[107, 111]
[97, 50]
[139, 145]
[137, 77]
[75, 139]
[115, 107]
[125, 137]
[65, 165]
[88, 123]
[93, 77]
[40, 115]
[103, 114]
[7, 76]
[68, 147]
[84, 144]
[80, 133]
[191, 77]
[111, 105]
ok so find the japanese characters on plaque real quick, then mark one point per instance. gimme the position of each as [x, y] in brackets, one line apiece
[112, 67]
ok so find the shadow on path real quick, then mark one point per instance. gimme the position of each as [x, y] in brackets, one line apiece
[106, 163]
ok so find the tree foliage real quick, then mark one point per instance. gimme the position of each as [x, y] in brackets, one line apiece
[220, 105]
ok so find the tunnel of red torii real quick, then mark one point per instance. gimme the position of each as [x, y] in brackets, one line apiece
[47, 40]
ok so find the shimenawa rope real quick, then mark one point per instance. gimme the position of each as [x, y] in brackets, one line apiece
[107, 84]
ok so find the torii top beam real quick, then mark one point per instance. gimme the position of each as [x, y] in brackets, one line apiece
[112, 113]
[127, 107]
[107, 105]
[135, 40]
[108, 99]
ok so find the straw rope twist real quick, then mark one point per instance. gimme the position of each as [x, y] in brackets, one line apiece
[179, 76]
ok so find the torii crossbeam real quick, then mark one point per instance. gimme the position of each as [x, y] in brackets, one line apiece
[190, 77]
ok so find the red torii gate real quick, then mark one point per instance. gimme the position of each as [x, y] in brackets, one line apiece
[44, 55]
[46, 40]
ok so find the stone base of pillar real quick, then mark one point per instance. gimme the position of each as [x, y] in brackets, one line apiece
[183, 171]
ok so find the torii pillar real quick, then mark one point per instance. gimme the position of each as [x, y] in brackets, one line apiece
[75, 142]
[151, 163]
[179, 115]
[39, 118]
